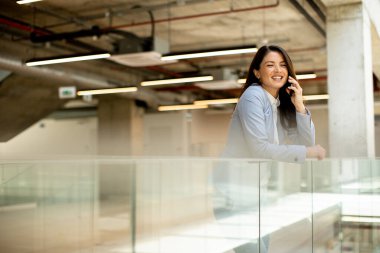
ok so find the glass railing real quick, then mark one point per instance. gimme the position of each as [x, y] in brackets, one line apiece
[180, 205]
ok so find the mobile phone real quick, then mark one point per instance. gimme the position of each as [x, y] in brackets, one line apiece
[290, 92]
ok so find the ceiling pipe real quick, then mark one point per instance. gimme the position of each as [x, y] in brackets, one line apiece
[276, 4]
[22, 25]
[122, 11]
[45, 36]
[17, 24]
[94, 31]
[69, 20]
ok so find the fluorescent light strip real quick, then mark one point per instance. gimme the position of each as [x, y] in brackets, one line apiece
[360, 219]
[235, 100]
[178, 80]
[209, 54]
[316, 97]
[217, 101]
[27, 1]
[300, 77]
[68, 59]
[181, 107]
[306, 76]
[106, 91]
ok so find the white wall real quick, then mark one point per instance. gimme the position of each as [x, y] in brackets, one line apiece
[209, 132]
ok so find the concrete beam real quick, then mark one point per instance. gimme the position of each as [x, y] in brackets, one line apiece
[373, 9]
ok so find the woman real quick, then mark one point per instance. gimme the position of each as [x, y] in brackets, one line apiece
[270, 113]
[270, 121]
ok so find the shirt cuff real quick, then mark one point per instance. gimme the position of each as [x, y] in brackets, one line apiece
[300, 156]
[308, 113]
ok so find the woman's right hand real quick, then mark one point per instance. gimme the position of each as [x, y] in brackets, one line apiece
[316, 151]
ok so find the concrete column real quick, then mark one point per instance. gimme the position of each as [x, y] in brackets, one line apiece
[120, 127]
[120, 133]
[351, 114]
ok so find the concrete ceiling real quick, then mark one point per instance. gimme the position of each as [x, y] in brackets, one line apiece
[186, 25]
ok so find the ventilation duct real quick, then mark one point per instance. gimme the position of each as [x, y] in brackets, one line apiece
[224, 79]
[137, 52]
[130, 50]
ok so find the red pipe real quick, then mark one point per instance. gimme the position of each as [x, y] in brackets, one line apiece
[21, 26]
[195, 16]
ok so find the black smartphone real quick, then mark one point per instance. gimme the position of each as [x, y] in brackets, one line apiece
[289, 91]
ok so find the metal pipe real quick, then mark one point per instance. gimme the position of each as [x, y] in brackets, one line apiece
[21, 25]
[123, 11]
[196, 16]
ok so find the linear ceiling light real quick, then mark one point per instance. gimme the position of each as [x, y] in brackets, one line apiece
[67, 59]
[217, 101]
[300, 77]
[306, 76]
[316, 97]
[178, 80]
[181, 107]
[361, 219]
[209, 54]
[27, 1]
[106, 91]
[235, 100]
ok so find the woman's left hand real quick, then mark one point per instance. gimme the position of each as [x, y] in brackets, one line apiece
[296, 95]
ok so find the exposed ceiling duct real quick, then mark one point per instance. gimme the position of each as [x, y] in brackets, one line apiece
[136, 53]
[224, 79]
[130, 50]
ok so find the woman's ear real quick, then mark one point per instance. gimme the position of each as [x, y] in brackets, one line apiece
[256, 73]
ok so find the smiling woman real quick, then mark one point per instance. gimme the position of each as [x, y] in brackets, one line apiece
[255, 131]
[272, 92]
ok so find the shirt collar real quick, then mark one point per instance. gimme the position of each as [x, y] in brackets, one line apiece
[273, 101]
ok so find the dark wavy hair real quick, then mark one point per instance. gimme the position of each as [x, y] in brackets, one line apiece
[286, 108]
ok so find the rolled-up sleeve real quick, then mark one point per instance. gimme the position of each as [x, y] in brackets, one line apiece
[252, 117]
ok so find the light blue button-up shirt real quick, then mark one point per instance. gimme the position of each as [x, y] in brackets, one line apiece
[252, 131]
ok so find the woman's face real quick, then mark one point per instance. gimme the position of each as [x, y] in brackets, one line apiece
[273, 72]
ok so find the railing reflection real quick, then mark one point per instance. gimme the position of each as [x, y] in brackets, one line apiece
[189, 205]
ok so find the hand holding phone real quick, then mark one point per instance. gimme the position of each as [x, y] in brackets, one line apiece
[295, 91]
[289, 91]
